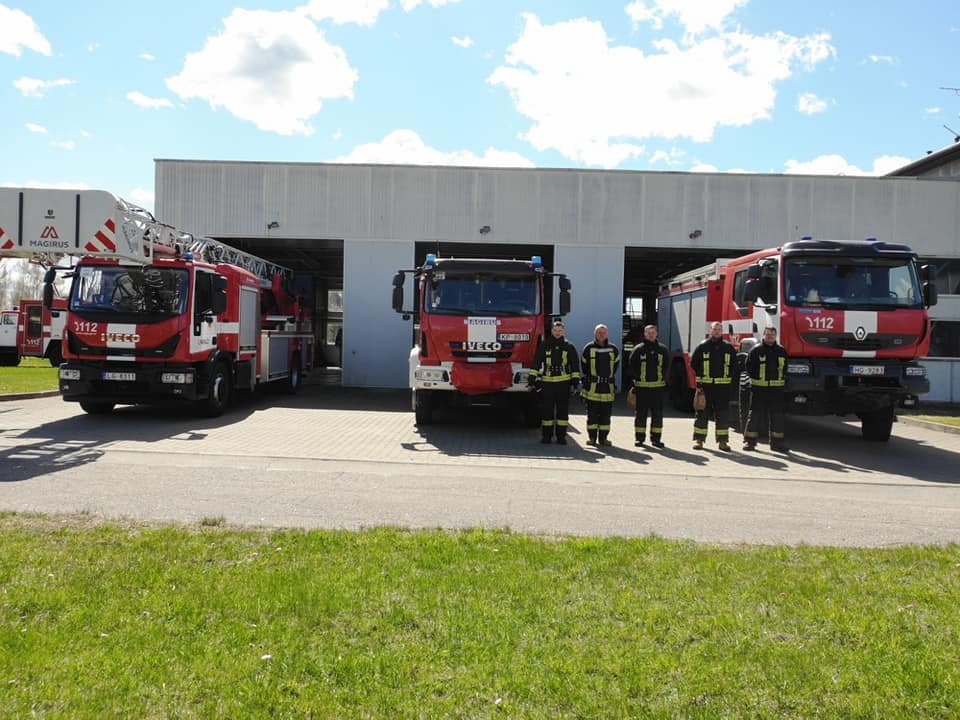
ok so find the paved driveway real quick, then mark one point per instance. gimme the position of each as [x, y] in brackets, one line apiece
[341, 458]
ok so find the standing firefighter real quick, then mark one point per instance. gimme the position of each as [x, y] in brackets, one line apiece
[714, 363]
[555, 373]
[599, 362]
[648, 370]
[767, 367]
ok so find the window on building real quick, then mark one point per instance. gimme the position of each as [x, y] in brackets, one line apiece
[945, 339]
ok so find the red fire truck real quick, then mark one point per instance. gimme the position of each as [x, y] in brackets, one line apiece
[852, 315]
[480, 322]
[156, 315]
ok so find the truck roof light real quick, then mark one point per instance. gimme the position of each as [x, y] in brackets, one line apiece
[536, 261]
[807, 237]
[871, 239]
[188, 255]
[430, 261]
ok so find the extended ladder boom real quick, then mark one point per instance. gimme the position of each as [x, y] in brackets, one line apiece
[48, 224]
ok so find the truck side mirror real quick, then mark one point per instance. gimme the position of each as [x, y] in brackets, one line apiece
[48, 295]
[929, 294]
[564, 302]
[751, 289]
[397, 300]
[564, 283]
[218, 296]
[753, 272]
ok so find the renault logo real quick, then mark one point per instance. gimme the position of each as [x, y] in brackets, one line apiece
[860, 333]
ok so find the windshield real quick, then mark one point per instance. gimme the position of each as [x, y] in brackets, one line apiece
[138, 291]
[852, 283]
[481, 295]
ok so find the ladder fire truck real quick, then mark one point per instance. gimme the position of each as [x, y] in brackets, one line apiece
[32, 330]
[480, 322]
[852, 315]
[156, 315]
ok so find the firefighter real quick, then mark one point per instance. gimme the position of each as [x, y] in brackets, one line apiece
[648, 372]
[555, 375]
[715, 363]
[599, 362]
[767, 366]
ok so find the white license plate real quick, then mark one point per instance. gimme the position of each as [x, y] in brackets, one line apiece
[121, 376]
[866, 369]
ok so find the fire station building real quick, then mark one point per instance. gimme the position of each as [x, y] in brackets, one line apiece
[346, 229]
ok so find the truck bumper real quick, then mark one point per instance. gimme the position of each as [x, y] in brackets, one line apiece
[123, 384]
[833, 388]
[444, 378]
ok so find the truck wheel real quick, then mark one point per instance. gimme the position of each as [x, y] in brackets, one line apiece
[293, 379]
[743, 403]
[218, 391]
[55, 354]
[94, 407]
[423, 406]
[531, 413]
[681, 396]
[876, 426]
[9, 360]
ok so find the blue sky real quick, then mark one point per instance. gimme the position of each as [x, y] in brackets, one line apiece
[92, 93]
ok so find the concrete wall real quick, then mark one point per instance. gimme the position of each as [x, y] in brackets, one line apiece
[595, 270]
[944, 378]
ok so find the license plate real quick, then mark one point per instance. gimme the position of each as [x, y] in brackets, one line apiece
[120, 376]
[866, 369]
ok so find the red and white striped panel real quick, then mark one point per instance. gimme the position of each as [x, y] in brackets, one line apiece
[104, 240]
[5, 244]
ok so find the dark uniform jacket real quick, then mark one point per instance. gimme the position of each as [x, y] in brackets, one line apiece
[556, 361]
[648, 365]
[599, 364]
[714, 362]
[767, 366]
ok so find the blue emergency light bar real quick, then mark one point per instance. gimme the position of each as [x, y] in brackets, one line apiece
[536, 261]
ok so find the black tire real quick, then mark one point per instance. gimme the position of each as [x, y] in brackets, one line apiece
[681, 395]
[423, 406]
[531, 412]
[878, 425]
[55, 353]
[96, 407]
[9, 360]
[219, 391]
[294, 378]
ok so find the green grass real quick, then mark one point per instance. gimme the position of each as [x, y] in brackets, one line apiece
[31, 375]
[945, 419]
[209, 622]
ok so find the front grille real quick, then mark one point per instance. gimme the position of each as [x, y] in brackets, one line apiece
[846, 341]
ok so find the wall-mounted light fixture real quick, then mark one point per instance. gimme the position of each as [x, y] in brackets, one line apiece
[485, 229]
[695, 234]
[273, 225]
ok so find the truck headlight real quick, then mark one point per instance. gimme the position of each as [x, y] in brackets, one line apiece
[798, 368]
[176, 378]
[916, 371]
[431, 374]
[69, 374]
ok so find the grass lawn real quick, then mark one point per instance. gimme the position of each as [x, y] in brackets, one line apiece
[945, 419]
[112, 620]
[31, 375]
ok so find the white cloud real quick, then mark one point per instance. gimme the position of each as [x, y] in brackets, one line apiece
[93, 47]
[146, 56]
[20, 31]
[141, 100]
[273, 69]
[886, 59]
[809, 104]
[65, 144]
[337, 134]
[592, 105]
[86, 134]
[932, 111]
[405, 147]
[409, 5]
[838, 165]
[32, 87]
[696, 16]
[341, 12]
[671, 158]
[142, 197]
[34, 128]
[464, 42]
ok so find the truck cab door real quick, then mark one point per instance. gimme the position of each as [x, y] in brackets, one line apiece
[30, 329]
